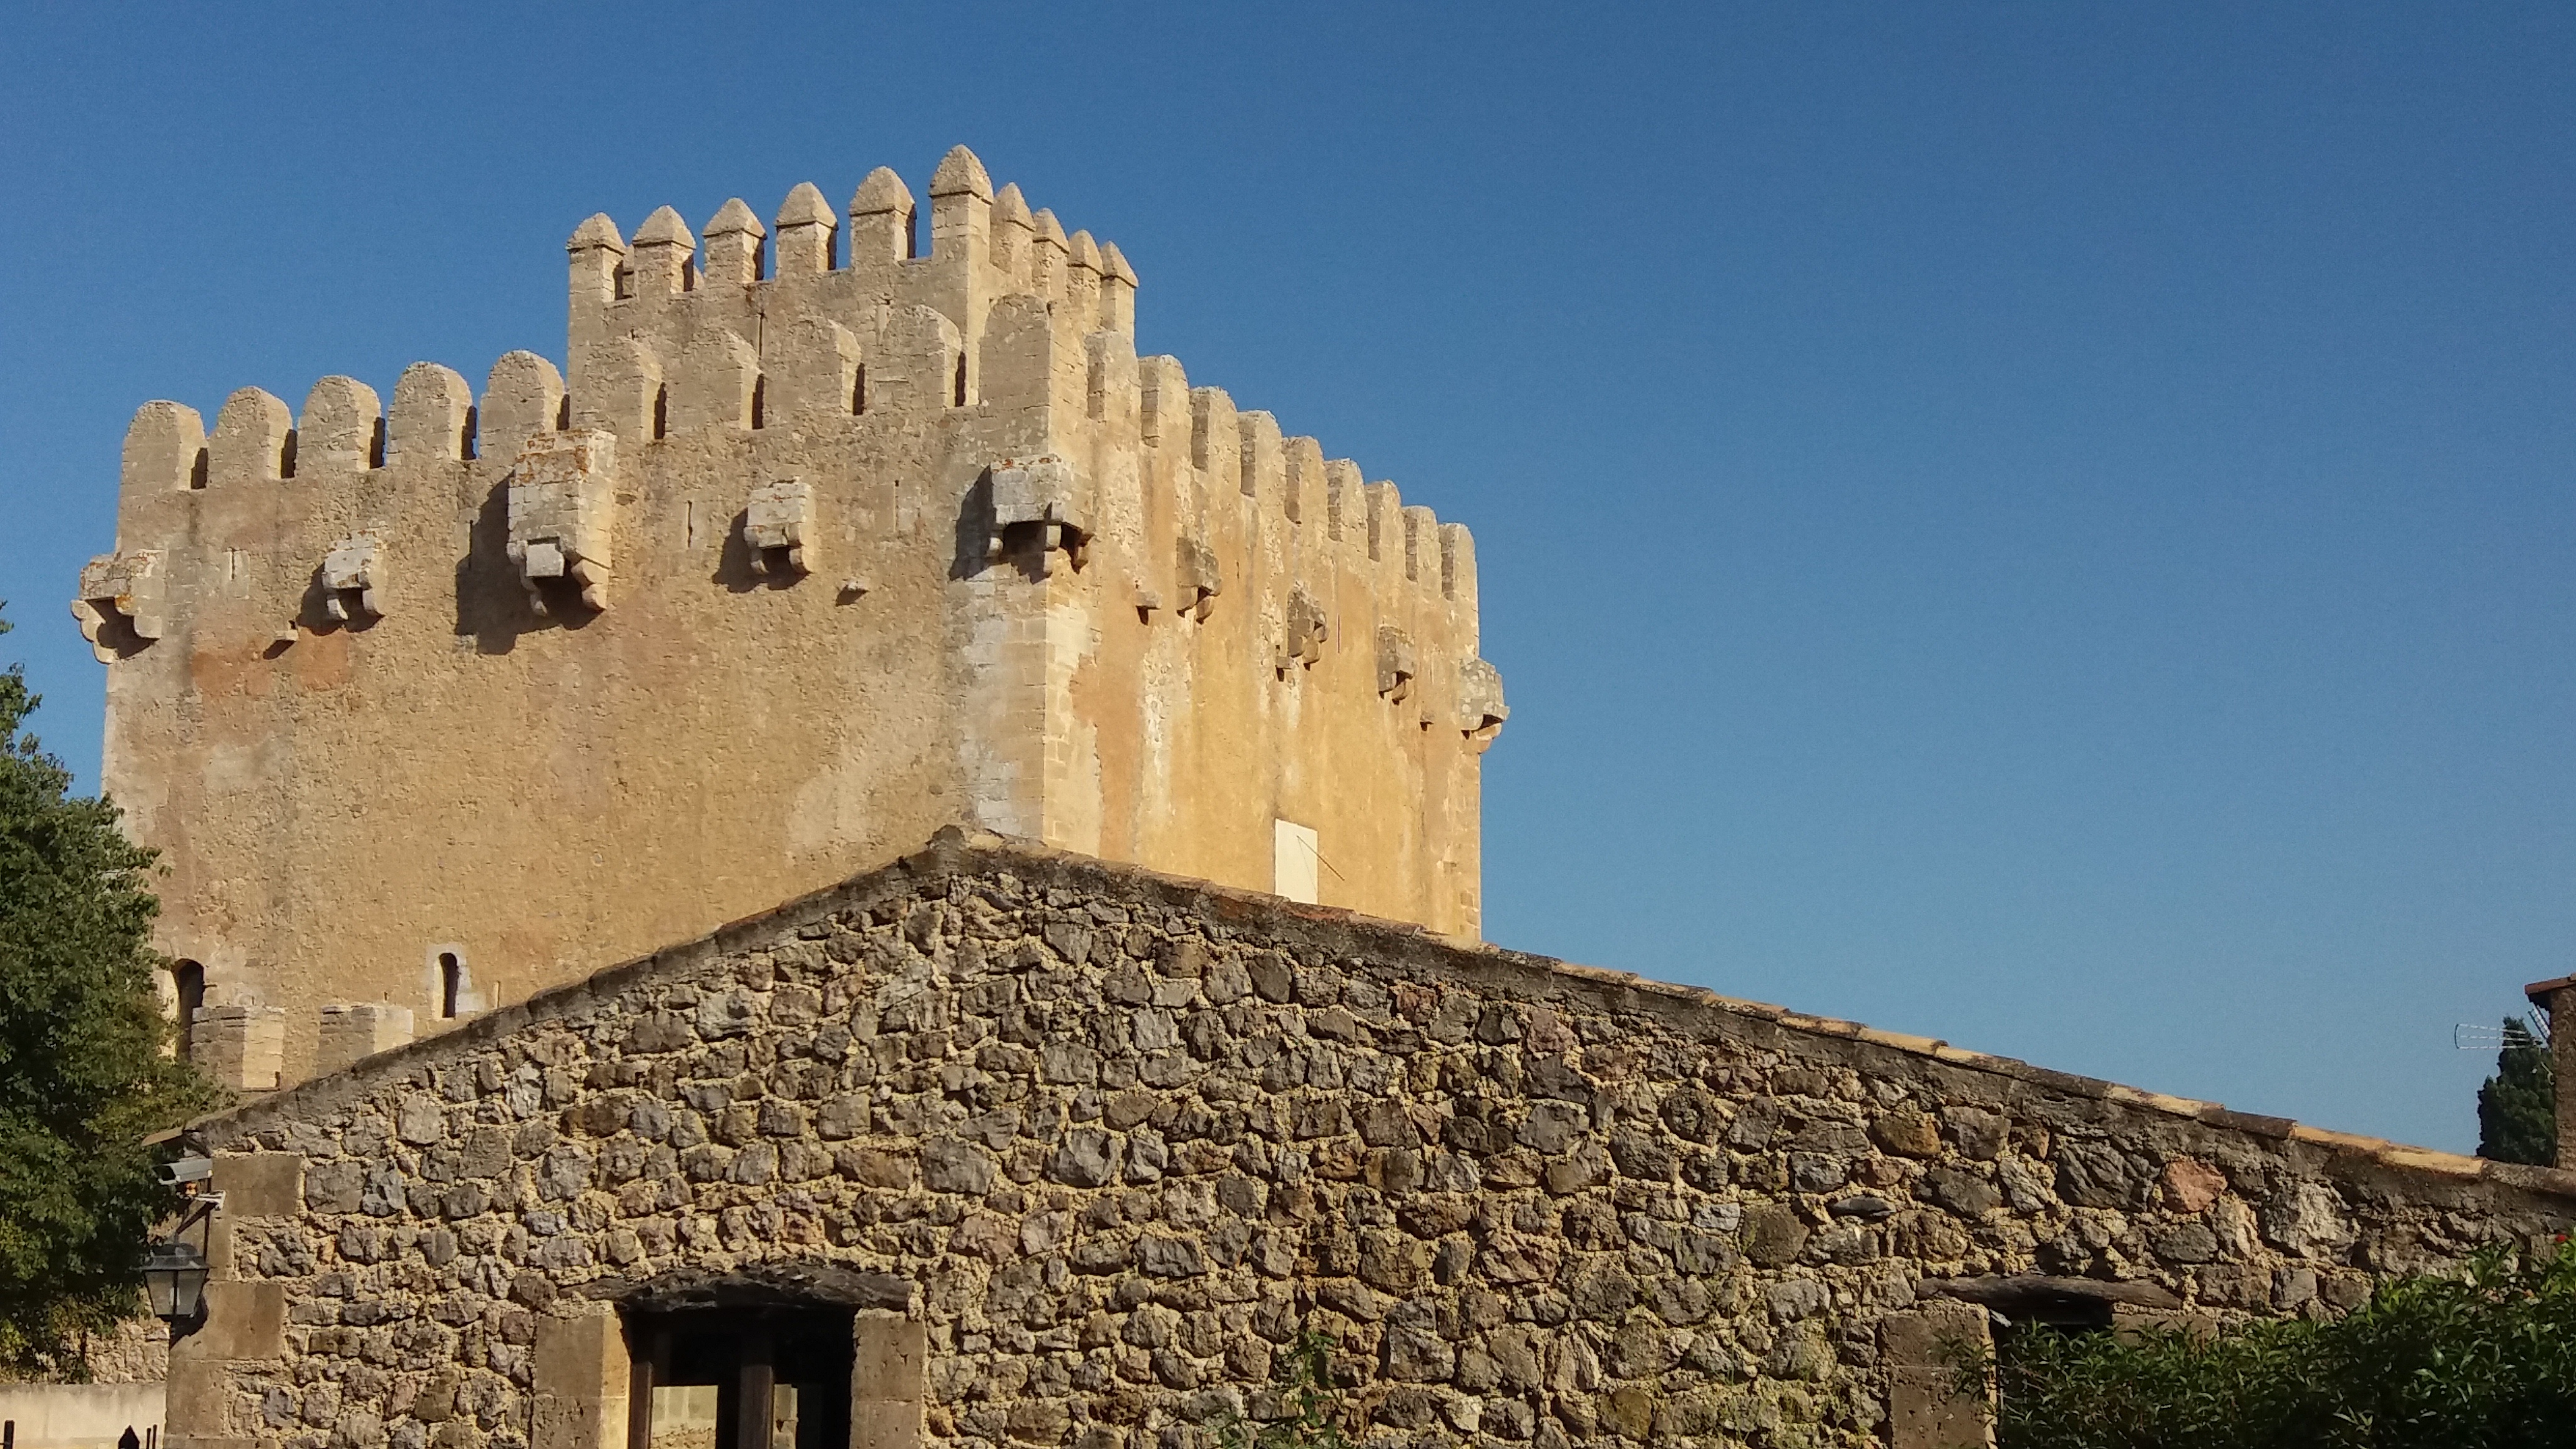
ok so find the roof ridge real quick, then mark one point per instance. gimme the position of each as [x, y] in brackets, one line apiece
[966, 850]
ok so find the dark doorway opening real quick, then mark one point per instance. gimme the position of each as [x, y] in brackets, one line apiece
[740, 1378]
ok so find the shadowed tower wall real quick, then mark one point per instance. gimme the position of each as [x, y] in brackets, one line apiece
[836, 533]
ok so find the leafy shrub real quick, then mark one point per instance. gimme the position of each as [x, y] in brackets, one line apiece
[2482, 1360]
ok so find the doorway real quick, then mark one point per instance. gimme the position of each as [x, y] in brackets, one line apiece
[739, 1378]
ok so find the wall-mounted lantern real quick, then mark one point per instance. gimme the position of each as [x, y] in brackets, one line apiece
[174, 1280]
[174, 1273]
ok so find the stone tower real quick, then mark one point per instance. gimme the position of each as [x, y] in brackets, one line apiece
[827, 540]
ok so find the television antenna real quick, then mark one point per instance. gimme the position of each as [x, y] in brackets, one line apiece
[2470, 1037]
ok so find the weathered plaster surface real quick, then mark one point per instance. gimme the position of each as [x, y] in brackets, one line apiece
[823, 545]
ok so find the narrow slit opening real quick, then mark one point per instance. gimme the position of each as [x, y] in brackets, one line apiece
[376, 446]
[858, 404]
[451, 983]
[189, 982]
[563, 413]
[286, 456]
[759, 401]
[661, 411]
[959, 391]
[911, 229]
[197, 470]
[465, 439]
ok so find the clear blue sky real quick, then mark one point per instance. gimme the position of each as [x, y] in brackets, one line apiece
[2047, 526]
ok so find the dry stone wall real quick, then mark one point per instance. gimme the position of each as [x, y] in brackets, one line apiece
[1113, 1139]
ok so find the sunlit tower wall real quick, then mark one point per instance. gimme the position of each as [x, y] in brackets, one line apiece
[827, 539]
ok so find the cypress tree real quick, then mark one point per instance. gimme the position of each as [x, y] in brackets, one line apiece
[2518, 1106]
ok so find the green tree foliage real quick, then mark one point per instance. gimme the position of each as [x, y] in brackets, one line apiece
[83, 1076]
[2518, 1106]
[2483, 1360]
[1303, 1374]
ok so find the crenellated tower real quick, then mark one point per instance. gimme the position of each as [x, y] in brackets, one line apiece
[833, 531]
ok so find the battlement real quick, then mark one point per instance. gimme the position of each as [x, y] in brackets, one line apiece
[990, 322]
[859, 536]
[666, 310]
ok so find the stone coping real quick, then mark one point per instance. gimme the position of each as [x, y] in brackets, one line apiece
[957, 850]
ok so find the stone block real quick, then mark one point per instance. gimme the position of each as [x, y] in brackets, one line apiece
[194, 1406]
[260, 1184]
[354, 1030]
[1926, 1409]
[582, 1383]
[890, 1357]
[1774, 1235]
[241, 1047]
[1907, 1131]
[242, 1321]
[887, 1373]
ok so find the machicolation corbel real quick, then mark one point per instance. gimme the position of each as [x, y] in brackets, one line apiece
[562, 491]
[778, 527]
[1198, 578]
[120, 594]
[1034, 503]
[1307, 630]
[1394, 664]
[1481, 710]
[351, 573]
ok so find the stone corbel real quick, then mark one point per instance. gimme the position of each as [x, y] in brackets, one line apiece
[1481, 710]
[1307, 631]
[120, 592]
[562, 497]
[1037, 501]
[352, 572]
[1394, 664]
[779, 529]
[1196, 575]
